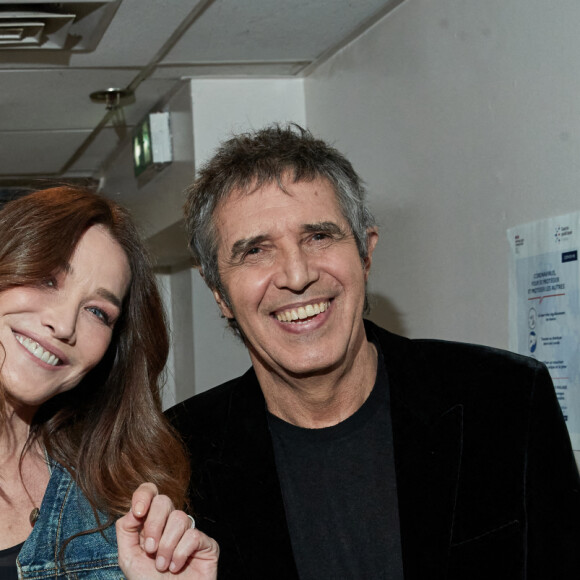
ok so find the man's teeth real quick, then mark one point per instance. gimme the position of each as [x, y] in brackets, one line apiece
[302, 312]
[34, 348]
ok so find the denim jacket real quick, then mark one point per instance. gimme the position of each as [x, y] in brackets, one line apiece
[64, 512]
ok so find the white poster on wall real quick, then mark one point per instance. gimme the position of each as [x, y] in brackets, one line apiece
[545, 305]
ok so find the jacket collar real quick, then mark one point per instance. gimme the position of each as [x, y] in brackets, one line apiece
[246, 463]
[65, 517]
[427, 435]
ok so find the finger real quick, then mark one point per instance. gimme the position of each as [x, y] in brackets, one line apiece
[155, 521]
[142, 498]
[194, 544]
[127, 529]
[177, 524]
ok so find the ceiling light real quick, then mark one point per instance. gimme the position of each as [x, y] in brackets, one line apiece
[112, 98]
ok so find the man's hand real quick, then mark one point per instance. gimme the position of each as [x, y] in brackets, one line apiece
[157, 541]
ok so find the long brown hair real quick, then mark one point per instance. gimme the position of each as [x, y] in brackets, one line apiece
[109, 431]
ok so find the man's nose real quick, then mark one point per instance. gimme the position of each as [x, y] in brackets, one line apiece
[295, 270]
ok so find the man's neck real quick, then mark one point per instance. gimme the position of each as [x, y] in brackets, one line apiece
[320, 400]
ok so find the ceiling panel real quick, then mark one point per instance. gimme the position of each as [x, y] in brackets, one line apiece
[242, 69]
[37, 152]
[279, 30]
[45, 99]
[138, 31]
[105, 142]
[47, 119]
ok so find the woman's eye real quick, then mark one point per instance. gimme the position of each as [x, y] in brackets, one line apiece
[50, 283]
[99, 313]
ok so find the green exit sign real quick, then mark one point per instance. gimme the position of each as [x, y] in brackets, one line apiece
[152, 144]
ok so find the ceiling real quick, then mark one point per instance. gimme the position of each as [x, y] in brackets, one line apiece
[53, 56]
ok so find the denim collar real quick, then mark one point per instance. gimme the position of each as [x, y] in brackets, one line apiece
[65, 512]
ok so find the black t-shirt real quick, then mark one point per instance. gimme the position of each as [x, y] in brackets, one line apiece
[340, 493]
[8, 557]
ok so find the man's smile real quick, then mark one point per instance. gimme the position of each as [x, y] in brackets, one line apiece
[302, 312]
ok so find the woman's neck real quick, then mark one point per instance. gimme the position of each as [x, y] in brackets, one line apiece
[14, 430]
[23, 477]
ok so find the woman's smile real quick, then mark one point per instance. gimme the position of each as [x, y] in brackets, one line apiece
[38, 351]
[54, 332]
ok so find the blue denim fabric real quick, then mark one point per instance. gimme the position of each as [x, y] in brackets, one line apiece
[64, 512]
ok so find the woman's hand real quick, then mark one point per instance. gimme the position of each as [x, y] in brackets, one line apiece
[156, 541]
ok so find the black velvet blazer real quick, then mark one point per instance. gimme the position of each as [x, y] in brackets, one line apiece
[487, 483]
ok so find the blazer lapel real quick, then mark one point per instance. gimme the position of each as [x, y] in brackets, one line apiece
[427, 434]
[247, 485]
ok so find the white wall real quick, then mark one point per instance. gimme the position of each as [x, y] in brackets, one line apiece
[168, 395]
[181, 327]
[158, 204]
[464, 119]
[219, 354]
[221, 108]
[202, 114]
[157, 207]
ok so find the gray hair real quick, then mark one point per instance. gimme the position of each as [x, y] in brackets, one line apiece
[249, 161]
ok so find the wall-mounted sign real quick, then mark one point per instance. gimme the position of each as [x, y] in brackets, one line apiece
[545, 305]
[152, 144]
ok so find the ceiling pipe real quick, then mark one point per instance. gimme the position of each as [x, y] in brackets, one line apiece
[143, 74]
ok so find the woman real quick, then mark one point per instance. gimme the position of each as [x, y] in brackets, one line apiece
[82, 346]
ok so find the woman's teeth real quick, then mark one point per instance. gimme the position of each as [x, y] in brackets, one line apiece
[34, 348]
[302, 312]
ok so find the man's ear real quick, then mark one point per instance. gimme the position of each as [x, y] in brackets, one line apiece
[372, 239]
[225, 309]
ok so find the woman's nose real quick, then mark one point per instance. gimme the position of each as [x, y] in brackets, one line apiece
[60, 316]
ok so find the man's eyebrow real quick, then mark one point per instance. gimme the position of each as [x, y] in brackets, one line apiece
[325, 228]
[103, 293]
[242, 246]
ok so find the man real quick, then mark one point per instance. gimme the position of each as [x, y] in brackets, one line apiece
[346, 451]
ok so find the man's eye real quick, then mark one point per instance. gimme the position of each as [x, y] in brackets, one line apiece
[320, 236]
[50, 282]
[253, 251]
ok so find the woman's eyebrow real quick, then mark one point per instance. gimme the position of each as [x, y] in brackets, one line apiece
[107, 295]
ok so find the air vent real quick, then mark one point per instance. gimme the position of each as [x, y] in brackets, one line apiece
[76, 26]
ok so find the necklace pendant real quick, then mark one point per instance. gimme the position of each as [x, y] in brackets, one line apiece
[34, 514]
